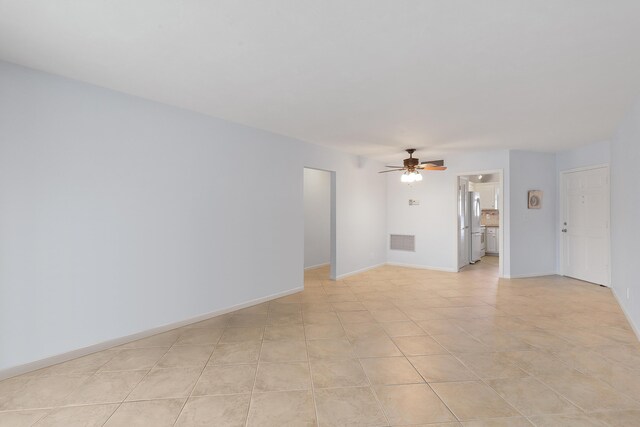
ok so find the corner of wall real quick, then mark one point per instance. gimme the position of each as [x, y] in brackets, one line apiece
[625, 207]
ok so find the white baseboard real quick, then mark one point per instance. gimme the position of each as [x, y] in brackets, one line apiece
[317, 266]
[525, 276]
[63, 357]
[362, 270]
[635, 329]
[423, 267]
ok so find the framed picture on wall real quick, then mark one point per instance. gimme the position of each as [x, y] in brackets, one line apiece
[535, 199]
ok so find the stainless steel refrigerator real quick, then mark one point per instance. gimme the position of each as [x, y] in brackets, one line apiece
[477, 237]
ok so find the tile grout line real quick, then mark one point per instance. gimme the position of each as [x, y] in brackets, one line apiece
[590, 375]
[255, 377]
[425, 380]
[138, 383]
[478, 376]
[50, 409]
[313, 387]
[528, 373]
[447, 350]
[373, 391]
[553, 354]
[201, 372]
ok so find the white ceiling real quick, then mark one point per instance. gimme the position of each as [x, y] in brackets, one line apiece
[366, 76]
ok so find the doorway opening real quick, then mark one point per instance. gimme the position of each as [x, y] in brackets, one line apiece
[319, 224]
[480, 220]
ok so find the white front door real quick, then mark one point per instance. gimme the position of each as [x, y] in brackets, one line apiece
[585, 225]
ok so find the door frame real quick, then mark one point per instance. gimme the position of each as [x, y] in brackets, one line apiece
[503, 214]
[460, 264]
[332, 227]
[562, 201]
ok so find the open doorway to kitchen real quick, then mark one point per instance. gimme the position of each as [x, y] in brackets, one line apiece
[319, 224]
[479, 226]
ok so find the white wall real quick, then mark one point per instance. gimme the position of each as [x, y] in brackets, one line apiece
[598, 153]
[360, 208]
[434, 221]
[119, 215]
[588, 155]
[533, 236]
[317, 217]
[625, 211]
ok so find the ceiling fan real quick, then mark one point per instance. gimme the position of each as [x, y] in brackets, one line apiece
[412, 167]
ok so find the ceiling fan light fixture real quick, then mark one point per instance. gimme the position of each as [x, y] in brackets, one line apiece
[409, 177]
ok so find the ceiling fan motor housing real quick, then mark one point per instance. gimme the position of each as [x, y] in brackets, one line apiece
[410, 162]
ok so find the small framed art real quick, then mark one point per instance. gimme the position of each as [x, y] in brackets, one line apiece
[535, 199]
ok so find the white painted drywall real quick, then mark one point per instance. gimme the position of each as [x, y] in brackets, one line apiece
[598, 153]
[533, 236]
[317, 217]
[361, 215]
[594, 154]
[625, 212]
[434, 221]
[119, 215]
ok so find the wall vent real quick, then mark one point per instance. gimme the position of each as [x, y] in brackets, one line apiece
[402, 242]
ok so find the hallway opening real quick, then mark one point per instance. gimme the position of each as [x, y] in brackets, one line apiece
[319, 224]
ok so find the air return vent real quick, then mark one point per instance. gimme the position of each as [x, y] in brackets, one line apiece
[402, 242]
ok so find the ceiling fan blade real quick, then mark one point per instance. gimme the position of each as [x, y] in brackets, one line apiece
[392, 170]
[397, 167]
[433, 163]
[435, 168]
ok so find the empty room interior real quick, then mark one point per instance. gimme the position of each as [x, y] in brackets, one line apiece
[330, 213]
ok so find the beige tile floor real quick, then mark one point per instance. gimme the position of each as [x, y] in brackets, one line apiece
[388, 347]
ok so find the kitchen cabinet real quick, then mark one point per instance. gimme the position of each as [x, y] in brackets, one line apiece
[489, 193]
[493, 241]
